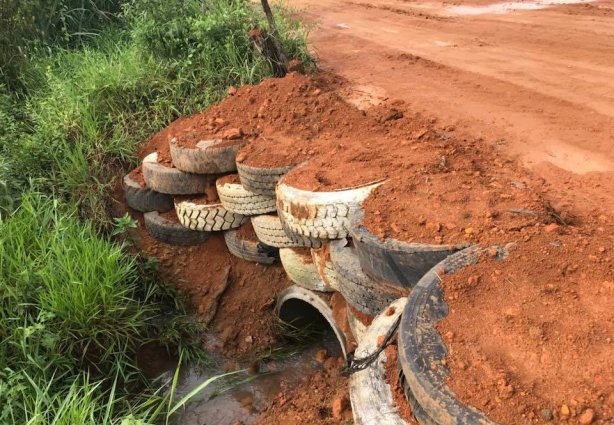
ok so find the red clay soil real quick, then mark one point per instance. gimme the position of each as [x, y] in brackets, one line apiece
[439, 189]
[532, 336]
[396, 387]
[323, 400]
[234, 298]
[247, 232]
[137, 176]
[452, 191]
[171, 215]
[230, 178]
[209, 196]
[363, 318]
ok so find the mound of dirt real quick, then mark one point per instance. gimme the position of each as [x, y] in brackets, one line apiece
[531, 337]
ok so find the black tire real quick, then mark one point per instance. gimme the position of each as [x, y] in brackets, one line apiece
[395, 261]
[422, 351]
[143, 199]
[261, 180]
[172, 233]
[249, 250]
[359, 290]
[207, 157]
[171, 180]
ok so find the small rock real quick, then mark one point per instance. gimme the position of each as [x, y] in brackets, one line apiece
[587, 417]
[321, 355]
[232, 90]
[390, 311]
[249, 339]
[232, 134]
[552, 227]
[610, 400]
[565, 412]
[469, 231]
[546, 414]
[340, 404]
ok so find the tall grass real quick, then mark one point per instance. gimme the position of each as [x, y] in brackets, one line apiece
[71, 300]
[94, 79]
[87, 109]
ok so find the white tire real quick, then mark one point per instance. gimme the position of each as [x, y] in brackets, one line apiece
[207, 217]
[321, 215]
[270, 231]
[235, 198]
[300, 268]
[321, 259]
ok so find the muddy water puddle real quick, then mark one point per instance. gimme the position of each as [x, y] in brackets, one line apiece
[248, 394]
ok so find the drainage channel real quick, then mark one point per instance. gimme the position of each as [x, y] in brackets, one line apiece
[242, 401]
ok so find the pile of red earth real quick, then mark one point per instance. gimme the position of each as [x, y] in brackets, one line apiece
[531, 337]
[437, 188]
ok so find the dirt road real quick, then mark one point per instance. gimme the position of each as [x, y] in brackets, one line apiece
[539, 83]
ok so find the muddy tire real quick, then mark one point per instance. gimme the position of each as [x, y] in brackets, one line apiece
[324, 265]
[261, 180]
[300, 268]
[249, 250]
[321, 215]
[370, 394]
[397, 262]
[171, 180]
[421, 347]
[237, 199]
[318, 300]
[170, 232]
[359, 290]
[215, 156]
[143, 199]
[207, 218]
[271, 232]
[356, 326]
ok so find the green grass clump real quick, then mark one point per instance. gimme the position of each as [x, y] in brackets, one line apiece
[73, 301]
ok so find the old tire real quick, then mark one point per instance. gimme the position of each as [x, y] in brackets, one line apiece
[143, 199]
[237, 199]
[261, 180]
[170, 232]
[324, 265]
[250, 250]
[359, 290]
[315, 299]
[300, 268]
[395, 261]
[207, 217]
[171, 180]
[370, 394]
[270, 231]
[215, 156]
[356, 326]
[422, 351]
[321, 215]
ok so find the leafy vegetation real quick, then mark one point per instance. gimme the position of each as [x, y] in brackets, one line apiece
[82, 83]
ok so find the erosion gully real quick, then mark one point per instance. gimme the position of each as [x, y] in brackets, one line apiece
[241, 399]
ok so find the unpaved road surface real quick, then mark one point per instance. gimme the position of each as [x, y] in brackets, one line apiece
[538, 83]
